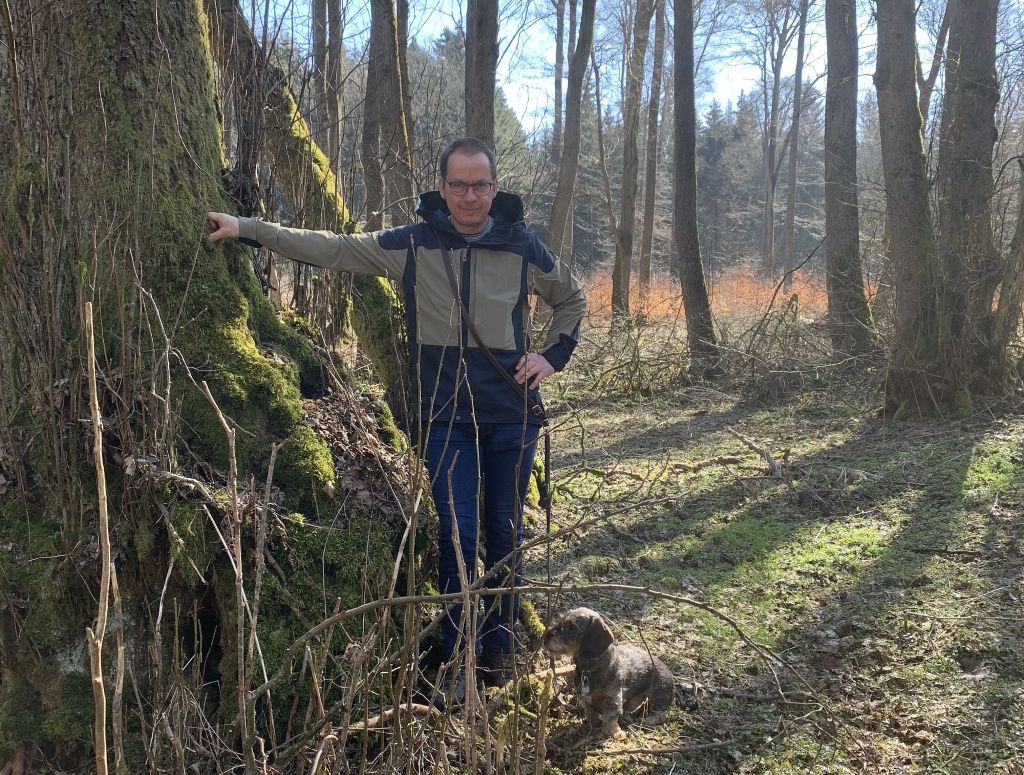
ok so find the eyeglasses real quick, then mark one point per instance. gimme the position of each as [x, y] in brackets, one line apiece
[480, 188]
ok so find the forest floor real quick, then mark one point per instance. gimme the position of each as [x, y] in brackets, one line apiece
[885, 566]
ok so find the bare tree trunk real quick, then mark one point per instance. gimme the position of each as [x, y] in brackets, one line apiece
[385, 141]
[630, 161]
[481, 68]
[560, 223]
[926, 84]
[1008, 311]
[572, 26]
[320, 110]
[770, 167]
[651, 174]
[700, 329]
[916, 381]
[849, 317]
[602, 159]
[556, 132]
[335, 49]
[777, 23]
[971, 267]
[794, 145]
[403, 70]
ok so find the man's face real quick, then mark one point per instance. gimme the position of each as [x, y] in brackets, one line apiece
[469, 210]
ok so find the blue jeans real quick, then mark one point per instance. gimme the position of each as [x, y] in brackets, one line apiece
[462, 459]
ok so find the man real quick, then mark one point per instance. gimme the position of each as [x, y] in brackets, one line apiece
[480, 426]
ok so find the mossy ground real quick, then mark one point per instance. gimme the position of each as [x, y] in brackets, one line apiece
[888, 576]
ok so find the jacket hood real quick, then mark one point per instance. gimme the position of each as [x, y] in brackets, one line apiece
[506, 210]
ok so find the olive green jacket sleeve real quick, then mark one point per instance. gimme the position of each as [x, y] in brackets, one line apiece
[358, 253]
[555, 284]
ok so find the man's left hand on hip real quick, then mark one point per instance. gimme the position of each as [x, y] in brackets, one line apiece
[533, 367]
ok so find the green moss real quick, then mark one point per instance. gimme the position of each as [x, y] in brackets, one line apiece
[270, 329]
[305, 465]
[144, 539]
[961, 405]
[198, 546]
[595, 567]
[20, 713]
[325, 567]
[71, 721]
[531, 621]
[326, 564]
[387, 428]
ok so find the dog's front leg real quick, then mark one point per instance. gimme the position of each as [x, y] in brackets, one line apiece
[611, 710]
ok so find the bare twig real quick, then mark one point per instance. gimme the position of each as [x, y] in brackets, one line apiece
[248, 722]
[94, 639]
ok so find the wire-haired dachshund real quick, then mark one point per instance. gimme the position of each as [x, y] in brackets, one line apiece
[611, 679]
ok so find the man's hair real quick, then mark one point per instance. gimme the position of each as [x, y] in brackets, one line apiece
[467, 146]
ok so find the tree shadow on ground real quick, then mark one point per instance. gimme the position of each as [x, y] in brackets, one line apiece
[702, 419]
[859, 643]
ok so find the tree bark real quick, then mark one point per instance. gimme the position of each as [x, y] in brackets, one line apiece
[926, 84]
[481, 68]
[794, 146]
[560, 223]
[777, 19]
[624, 235]
[602, 159]
[849, 318]
[311, 187]
[700, 330]
[1008, 310]
[319, 78]
[970, 265]
[106, 203]
[651, 173]
[556, 131]
[335, 52]
[406, 85]
[916, 383]
[385, 142]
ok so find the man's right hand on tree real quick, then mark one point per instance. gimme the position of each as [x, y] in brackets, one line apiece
[224, 226]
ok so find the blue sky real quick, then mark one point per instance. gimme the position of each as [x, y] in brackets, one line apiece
[528, 46]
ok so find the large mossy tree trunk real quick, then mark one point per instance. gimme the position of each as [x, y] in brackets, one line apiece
[108, 166]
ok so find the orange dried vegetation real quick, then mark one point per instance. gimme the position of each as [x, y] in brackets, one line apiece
[737, 292]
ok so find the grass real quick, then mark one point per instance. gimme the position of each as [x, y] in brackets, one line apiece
[888, 576]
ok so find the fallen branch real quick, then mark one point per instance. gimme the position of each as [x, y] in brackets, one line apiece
[722, 460]
[383, 719]
[776, 468]
[943, 550]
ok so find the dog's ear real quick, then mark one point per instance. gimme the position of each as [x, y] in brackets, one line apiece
[597, 639]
